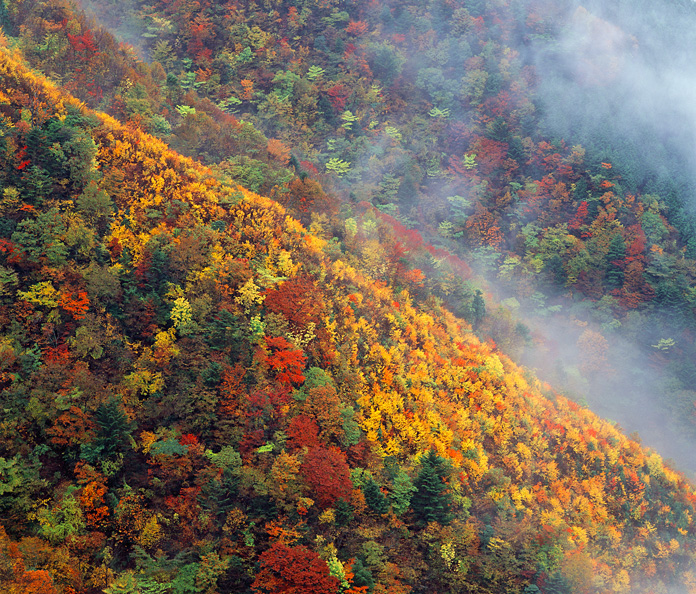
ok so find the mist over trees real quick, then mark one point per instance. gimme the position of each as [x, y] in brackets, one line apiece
[265, 286]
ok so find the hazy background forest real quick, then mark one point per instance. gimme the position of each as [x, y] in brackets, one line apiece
[607, 78]
[328, 293]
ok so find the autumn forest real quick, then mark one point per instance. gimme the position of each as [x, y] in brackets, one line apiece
[330, 297]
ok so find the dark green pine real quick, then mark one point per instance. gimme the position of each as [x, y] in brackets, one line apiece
[374, 498]
[114, 428]
[431, 501]
[616, 253]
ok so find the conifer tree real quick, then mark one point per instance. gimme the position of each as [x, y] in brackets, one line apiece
[344, 512]
[219, 495]
[617, 252]
[402, 492]
[362, 576]
[5, 23]
[114, 432]
[374, 498]
[478, 309]
[431, 501]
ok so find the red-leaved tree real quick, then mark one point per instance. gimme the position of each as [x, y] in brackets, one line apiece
[303, 431]
[327, 473]
[287, 361]
[293, 570]
[299, 300]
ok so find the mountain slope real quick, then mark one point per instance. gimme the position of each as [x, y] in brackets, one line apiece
[447, 117]
[199, 396]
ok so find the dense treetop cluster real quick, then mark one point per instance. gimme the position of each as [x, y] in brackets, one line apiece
[206, 390]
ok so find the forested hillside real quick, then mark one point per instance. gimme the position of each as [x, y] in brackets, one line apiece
[544, 144]
[208, 391]
[201, 396]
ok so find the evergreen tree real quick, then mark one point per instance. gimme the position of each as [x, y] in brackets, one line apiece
[554, 267]
[113, 434]
[516, 149]
[402, 492]
[477, 309]
[408, 189]
[617, 252]
[556, 584]
[498, 130]
[475, 7]
[294, 162]
[220, 495]
[327, 110]
[344, 512]
[362, 576]
[431, 501]
[5, 22]
[670, 300]
[374, 498]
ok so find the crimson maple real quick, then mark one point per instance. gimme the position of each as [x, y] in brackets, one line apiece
[327, 472]
[285, 360]
[293, 570]
[303, 431]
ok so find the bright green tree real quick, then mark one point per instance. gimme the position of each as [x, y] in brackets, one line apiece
[402, 492]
